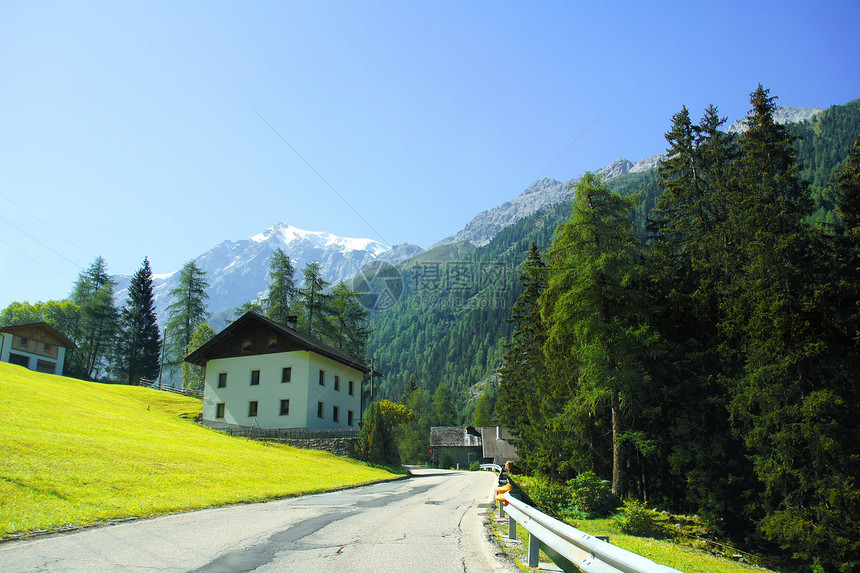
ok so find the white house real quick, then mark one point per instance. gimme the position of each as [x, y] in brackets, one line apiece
[260, 373]
[36, 346]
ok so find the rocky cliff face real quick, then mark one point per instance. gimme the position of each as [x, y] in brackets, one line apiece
[547, 192]
[782, 114]
[486, 224]
[540, 195]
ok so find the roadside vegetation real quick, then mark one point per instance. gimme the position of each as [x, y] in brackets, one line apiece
[681, 542]
[711, 366]
[77, 453]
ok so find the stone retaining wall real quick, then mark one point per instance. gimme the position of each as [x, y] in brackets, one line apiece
[337, 446]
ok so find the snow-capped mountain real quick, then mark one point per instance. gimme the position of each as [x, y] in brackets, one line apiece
[237, 270]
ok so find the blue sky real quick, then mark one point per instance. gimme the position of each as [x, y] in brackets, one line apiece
[134, 129]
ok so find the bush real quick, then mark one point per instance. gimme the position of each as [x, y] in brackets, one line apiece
[475, 466]
[555, 498]
[636, 519]
[592, 495]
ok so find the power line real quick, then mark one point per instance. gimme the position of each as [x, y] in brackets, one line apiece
[324, 180]
[44, 224]
[11, 223]
[570, 145]
[36, 261]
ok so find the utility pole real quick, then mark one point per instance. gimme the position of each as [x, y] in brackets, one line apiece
[372, 366]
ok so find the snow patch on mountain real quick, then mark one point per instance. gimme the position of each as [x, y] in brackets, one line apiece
[237, 271]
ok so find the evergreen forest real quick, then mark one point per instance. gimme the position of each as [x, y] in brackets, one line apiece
[690, 334]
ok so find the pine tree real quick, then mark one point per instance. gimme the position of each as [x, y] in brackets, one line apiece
[186, 312]
[484, 411]
[790, 404]
[592, 307]
[315, 303]
[193, 376]
[93, 293]
[348, 320]
[281, 287]
[414, 437]
[846, 193]
[246, 307]
[522, 377]
[139, 341]
[444, 411]
[691, 262]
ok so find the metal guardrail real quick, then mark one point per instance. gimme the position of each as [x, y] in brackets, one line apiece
[164, 387]
[494, 467]
[570, 548]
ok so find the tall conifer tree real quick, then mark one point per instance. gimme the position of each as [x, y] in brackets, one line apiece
[522, 384]
[315, 303]
[281, 287]
[139, 341]
[93, 293]
[348, 319]
[593, 310]
[186, 312]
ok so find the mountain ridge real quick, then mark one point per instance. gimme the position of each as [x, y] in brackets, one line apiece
[237, 270]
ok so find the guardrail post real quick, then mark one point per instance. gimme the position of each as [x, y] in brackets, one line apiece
[534, 550]
[501, 509]
[512, 528]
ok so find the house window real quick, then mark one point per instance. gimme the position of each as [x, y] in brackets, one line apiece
[319, 409]
[23, 341]
[349, 416]
[335, 413]
[337, 383]
[219, 410]
[350, 387]
[272, 342]
[222, 380]
[47, 347]
[19, 360]
[322, 377]
[471, 457]
[286, 374]
[246, 344]
[285, 407]
[255, 377]
[252, 409]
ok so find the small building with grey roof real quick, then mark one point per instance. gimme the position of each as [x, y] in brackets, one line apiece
[460, 447]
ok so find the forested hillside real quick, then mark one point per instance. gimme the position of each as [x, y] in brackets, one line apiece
[450, 325]
[714, 367]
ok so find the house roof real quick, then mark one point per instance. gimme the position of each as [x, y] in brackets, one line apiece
[27, 328]
[298, 340]
[454, 436]
[496, 443]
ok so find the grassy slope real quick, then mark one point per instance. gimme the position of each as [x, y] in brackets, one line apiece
[76, 453]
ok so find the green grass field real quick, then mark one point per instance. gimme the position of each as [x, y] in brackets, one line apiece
[78, 453]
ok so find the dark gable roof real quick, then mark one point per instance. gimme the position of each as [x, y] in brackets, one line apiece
[302, 341]
[17, 328]
[451, 436]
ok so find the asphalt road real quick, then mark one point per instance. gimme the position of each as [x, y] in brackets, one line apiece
[431, 522]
